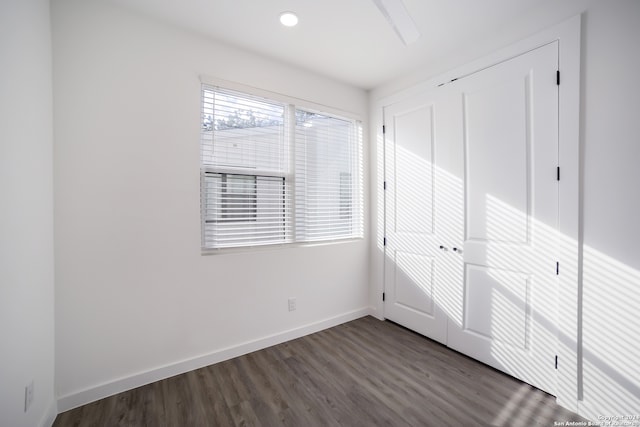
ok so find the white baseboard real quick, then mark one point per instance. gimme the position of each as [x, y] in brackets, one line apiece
[101, 391]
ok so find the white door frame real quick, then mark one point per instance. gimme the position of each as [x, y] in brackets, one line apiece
[567, 33]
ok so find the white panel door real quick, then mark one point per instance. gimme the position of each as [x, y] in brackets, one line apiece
[506, 304]
[417, 202]
[471, 207]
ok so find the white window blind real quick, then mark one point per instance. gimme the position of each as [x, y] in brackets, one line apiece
[272, 173]
[327, 177]
[245, 171]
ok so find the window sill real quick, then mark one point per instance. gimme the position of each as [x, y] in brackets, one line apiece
[264, 248]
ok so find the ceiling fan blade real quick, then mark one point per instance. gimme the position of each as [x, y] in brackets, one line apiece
[398, 17]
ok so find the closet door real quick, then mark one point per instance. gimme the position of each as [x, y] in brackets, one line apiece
[417, 265]
[506, 304]
[471, 206]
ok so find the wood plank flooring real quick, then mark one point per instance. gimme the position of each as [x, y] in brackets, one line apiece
[361, 373]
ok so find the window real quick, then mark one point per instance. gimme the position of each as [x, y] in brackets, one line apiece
[274, 173]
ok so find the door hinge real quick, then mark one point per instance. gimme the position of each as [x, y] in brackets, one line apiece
[557, 268]
[558, 77]
[384, 129]
[558, 173]
[383, 296]
[384, 241]
[556, 361]
[384, 185]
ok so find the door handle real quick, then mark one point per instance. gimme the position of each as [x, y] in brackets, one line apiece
[443, 248]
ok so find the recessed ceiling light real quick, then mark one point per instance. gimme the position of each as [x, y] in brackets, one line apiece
[289, 19]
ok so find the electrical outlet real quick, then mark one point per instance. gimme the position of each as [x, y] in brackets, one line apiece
[28, 396]
[292, 304]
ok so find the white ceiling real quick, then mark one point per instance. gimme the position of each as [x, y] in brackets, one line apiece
[349, 40]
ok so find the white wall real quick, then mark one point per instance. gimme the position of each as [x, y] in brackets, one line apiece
[26, 214]
[135, 299]
[611, 264]
[609, 336]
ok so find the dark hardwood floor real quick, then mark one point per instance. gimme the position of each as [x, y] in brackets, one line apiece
[361, 373]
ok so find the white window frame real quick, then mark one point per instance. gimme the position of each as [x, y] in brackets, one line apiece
[292, 104]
